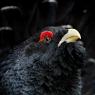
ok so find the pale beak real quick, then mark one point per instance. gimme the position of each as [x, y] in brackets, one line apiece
[71, 36]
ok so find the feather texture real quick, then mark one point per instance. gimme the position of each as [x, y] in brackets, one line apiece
[43, 68]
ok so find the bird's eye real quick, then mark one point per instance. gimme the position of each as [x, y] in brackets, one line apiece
[47, 40]
[46, 36]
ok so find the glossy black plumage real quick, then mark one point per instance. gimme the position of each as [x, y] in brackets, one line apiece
[35, 68]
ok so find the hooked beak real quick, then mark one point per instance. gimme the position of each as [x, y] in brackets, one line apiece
[71, 36]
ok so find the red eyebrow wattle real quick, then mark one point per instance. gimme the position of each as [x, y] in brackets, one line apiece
[45, 34]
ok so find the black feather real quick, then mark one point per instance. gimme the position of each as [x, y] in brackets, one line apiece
[43, 68]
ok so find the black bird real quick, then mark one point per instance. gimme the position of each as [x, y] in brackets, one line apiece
[49, 66]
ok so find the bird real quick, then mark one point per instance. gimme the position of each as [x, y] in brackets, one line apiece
[50, 65]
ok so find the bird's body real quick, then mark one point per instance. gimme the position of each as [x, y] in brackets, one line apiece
[43, 68]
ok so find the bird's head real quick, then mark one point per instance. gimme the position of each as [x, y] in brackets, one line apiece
[60, 43]
[65, 35]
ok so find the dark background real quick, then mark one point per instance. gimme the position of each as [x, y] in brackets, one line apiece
[31, 17]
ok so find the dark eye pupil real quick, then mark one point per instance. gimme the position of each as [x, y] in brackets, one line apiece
[47, 39]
